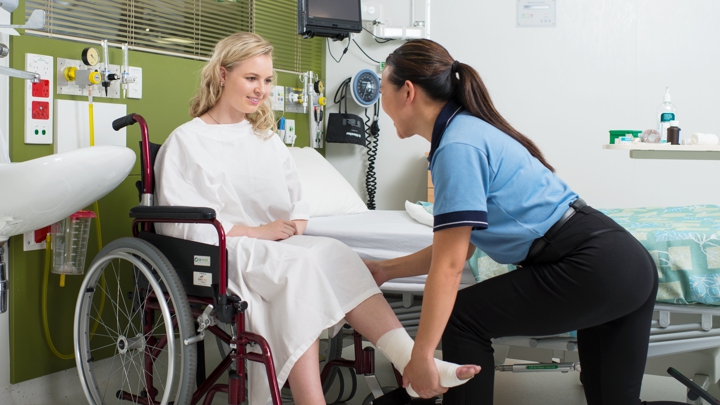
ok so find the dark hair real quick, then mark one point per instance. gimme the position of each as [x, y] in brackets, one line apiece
[429, 66]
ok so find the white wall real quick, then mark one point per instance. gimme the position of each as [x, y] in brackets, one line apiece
[604, 66]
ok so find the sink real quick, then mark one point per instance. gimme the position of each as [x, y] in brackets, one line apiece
[42, 191]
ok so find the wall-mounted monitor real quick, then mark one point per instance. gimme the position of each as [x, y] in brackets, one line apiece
[329, 18]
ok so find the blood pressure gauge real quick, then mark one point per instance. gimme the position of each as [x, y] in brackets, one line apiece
[365, 87]
[90, 56]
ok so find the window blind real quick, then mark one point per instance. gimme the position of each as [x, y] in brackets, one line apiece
[188, 28]
[183, 27]
[276, 20]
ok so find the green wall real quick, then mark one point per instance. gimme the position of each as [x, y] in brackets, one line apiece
[168, 85]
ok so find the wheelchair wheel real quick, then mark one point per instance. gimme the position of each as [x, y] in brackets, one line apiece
[131, 318]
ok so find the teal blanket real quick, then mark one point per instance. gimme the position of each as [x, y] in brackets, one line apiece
[683, 241]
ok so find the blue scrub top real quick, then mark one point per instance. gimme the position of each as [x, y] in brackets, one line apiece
[486, 179]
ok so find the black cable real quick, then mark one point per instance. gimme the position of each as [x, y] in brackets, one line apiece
[342, 92]
[372, 132]
[327, 41]
[361, 50]
[379, 40]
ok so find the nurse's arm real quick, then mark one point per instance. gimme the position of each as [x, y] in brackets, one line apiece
[414, 264]
[450, 247]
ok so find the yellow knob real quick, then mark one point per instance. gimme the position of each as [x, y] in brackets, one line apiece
[94, 78]
[322, 101]
[69, 73]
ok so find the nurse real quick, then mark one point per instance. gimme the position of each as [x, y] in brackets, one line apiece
[494, 190]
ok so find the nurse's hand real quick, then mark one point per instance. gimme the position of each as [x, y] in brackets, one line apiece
[377, 271]
[422, 375]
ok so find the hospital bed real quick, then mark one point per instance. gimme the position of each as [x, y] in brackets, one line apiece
[684, 241]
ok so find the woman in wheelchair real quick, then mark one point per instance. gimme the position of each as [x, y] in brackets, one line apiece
[229, 159]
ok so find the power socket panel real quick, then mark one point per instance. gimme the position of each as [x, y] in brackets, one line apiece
[39, 100]
[277, 98]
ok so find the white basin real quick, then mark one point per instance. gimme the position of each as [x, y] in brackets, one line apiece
[42, 191]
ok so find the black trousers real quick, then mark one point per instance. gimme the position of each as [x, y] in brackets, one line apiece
[593, 277]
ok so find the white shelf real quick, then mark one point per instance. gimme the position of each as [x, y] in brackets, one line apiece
[667, 151]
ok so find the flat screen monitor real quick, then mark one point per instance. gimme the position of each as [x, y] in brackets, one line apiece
[329, 18]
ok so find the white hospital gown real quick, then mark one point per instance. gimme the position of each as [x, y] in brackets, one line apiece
[295, 288]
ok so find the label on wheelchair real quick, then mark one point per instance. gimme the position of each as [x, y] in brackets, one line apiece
[202, 261]
[202, 279]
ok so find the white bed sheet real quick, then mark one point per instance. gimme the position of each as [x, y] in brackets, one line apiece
[382, 235]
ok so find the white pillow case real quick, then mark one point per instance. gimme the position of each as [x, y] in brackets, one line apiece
[419, 213]
[324, 188]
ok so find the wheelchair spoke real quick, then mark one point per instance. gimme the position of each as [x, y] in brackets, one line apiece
[113, 301]
[130, 354]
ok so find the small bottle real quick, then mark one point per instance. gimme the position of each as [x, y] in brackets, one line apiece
[665, 114]
[673, 133]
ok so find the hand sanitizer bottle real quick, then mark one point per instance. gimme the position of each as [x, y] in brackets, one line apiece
[665, 115]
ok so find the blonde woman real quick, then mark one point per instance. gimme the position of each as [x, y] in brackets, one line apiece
[228, 158]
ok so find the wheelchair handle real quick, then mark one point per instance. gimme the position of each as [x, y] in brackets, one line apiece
[130, 119]
[122, 122]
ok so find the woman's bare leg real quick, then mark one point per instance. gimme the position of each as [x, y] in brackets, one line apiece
[373, 318]
[304, 378]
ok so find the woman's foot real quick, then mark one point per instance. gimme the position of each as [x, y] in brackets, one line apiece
[467, 372]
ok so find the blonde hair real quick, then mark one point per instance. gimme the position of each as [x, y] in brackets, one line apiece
[230, 51]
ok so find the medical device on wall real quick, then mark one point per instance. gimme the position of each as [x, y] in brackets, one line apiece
[398, 20]
[365, 87]
[314, 102]
[334, 19]
[92, 75]
[350, 128]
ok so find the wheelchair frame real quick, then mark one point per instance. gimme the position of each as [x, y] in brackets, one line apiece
[167, 297]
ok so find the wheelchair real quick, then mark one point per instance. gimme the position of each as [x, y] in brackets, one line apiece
[148, 301]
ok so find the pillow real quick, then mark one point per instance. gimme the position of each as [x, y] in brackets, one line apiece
[419, 213]
[324, 188]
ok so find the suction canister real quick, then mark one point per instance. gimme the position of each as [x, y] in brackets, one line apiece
[69, 243]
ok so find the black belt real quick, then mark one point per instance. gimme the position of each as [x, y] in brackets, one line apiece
[539, 244]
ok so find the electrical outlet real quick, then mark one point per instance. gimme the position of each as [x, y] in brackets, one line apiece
[41, 89]
[39, 100]
[40, 110]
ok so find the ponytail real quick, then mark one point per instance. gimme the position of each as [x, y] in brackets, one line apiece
[428, 65]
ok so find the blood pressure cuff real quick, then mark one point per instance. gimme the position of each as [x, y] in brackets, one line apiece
[345, 128]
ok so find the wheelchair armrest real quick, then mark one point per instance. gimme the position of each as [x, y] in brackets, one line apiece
[168, 212]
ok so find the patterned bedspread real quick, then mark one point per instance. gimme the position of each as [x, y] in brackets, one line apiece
[683, 241]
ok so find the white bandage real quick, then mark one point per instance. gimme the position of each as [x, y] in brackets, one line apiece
[397, 346]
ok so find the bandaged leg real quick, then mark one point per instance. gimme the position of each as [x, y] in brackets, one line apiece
[397, 346]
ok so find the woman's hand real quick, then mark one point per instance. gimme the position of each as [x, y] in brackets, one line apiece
[276, 230]
[300, 226]
[422, 375]
[377, 270]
